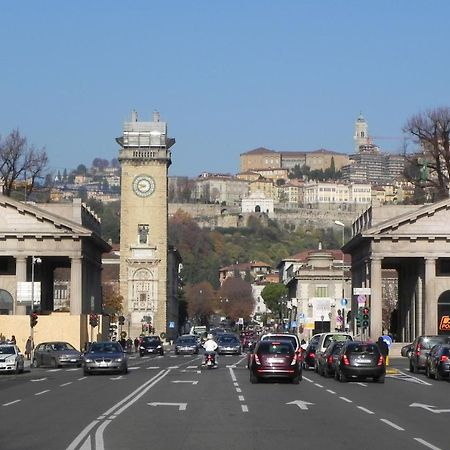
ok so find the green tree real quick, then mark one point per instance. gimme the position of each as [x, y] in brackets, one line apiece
[272, 295]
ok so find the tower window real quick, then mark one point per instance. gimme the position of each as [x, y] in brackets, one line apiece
[143, 230]
[362, 134]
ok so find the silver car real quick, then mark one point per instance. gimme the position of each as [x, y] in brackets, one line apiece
[105, 357]
[11, 360]
[56, 354]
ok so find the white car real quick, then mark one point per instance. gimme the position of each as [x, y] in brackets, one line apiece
[11, 360]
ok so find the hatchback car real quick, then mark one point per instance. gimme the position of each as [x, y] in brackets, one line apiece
[11, 360]
[326, 362]
[309, 355]
[186, 344]
[438, 362]
[360, 360]
[151, 345]
[324, 340]
[105, 357]
[421, 346]
[275, 359]
[228, 344]
[56, 354]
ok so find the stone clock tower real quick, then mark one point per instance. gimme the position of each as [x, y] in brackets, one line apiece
[144, 158]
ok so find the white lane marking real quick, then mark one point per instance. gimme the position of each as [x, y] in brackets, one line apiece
[238, 390]
[330, 391]
[11, 403]
[241, 398]
[153, 367]
[236, 384]
[81, 379]
[308, 379]
[185, 381]
[346, 399]
[427, 444]
[173, 367]
[368, 411]
[54, 370]
[39, 379]
[83, 433]
[244, 408]
[181, 406]
[66, 384]
[407, 377]
[134, 367]
[116, 378]
[392, 424]
[42, 392]
[72, 370]
[99, 444]
[362, 384]
[191, 367]
[318, 385]
[233, 376]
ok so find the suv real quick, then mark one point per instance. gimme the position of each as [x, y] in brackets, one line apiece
[324, 340]
[421, 347]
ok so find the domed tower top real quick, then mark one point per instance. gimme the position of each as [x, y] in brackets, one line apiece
[361, 136]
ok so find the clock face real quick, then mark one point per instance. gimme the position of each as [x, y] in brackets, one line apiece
[143, 185]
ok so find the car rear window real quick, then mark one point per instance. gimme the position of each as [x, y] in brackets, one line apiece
[335, 337]
[187, 341]
[429, 342]
[362, 348]
[279, 348]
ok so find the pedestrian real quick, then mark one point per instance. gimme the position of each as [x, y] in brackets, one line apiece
[136, 345]
[384, 349]
[12, 340]
[28, 348]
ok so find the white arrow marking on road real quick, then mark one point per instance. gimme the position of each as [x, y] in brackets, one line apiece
[185, 381]
[429, 408]
[116, 378]
[181, 406]
[300, 403]
[39, 379]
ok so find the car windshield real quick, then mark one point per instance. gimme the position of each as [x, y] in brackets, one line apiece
[108, 347]
[279, 348]
[336, 337]
[429, 342]
[228, 340]
[186, 340]
[362, 348]
[61, 346]
[151, 340]
[7, 350]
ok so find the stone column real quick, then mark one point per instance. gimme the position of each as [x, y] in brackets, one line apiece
[430, 310]
[376, 299]
[21, 275]
[75, 286]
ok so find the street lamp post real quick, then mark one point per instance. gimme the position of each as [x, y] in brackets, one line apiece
[342, 225]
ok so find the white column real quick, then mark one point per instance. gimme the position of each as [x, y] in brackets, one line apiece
[430, 311]
[75, 286]
[376, 299]
[21, 275]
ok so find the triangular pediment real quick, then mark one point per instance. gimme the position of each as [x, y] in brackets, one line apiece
[431, 220]
[17, 218]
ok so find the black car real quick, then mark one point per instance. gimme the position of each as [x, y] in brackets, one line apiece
[186, 344]
[151, 345]
[309, 355]
[326, 361]
[438, 362]
[360, 360]
[421, 347]
[228, 344]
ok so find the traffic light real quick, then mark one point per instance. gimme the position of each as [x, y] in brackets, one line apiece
[121, 320]
[33, 319]
[365, 317]
[93, 320]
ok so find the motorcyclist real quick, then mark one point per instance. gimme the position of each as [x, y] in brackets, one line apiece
[210, 346]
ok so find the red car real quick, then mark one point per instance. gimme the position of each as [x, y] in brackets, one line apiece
[275, 359]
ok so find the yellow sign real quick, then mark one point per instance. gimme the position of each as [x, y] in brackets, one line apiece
[445, 323]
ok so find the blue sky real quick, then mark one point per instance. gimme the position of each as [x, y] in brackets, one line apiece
[227, 76]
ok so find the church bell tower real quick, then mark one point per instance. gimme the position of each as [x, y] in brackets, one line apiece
[145, 158]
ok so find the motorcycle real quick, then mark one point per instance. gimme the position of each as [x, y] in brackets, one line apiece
[210, 360]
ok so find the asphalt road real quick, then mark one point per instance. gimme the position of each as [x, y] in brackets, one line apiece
[171, 403]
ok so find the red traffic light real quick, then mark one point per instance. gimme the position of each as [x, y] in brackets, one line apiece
[93, 320]
[365, 311]
[33, 319]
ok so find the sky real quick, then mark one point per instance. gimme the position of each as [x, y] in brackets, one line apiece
[227, 76]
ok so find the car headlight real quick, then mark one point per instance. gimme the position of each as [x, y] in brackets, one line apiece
[88, 360]
[142, 347]
[119, 359]
[158, 346]
[10, 359]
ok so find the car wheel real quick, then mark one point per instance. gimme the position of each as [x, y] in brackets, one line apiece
[427, 371]
[86, 372]
[316, 368]
[342, 378]
[379, 379]
[336, 375]
[125, 370]
[54, 364]
[296, 380]
[141, 354]
[325, 372]
[176, 353]
[437, 375]
[300, 375]
[253, 378]
[412, 368]
[78, 365]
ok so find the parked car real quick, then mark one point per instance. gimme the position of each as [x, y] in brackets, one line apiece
[11, 360]
[406, 350]
[105, 357]
[326, 362]
[151, 345]
[360, 360]
[421, 346]
[228, 344]
[325, 339]
[438, 362]
[186, 344]
[309, 355]
[56, 354]
[275, 359]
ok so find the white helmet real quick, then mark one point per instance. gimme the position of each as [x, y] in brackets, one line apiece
[210, 336]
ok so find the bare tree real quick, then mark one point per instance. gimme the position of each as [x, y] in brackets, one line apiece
[429, 166]
[18, 161]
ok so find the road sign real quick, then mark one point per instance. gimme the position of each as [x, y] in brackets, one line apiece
[361, 291]
[361, 300]
[171, 324]
[344, 301]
